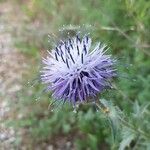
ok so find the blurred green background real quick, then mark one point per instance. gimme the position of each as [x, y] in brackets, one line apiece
[28, 28]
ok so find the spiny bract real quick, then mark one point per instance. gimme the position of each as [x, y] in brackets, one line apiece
[75, 73]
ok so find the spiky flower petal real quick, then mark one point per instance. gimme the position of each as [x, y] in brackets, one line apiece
[74, 72]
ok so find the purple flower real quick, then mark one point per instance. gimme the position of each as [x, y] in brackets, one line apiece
[75, 73]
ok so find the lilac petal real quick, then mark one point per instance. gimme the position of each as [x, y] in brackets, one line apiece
[93, 86]
[74, 73]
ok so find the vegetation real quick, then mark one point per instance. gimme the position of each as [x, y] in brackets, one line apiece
[124, 26]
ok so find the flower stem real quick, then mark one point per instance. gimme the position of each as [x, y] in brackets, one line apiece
[125, 123]
[107, 111]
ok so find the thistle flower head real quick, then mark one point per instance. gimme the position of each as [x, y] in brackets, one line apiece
[74, 72]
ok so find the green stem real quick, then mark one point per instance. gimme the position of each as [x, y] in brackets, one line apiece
[106, 111]
[125, 123]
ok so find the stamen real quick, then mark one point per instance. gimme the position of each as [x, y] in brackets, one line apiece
[62, 58]
[56, 56]
[71, 46]
[60, 50]
[84, 48]
[82, 58]
[72, 58]
[78, 39]
[78, 50]
[67, 62]
[66, 47]
[57, 50]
